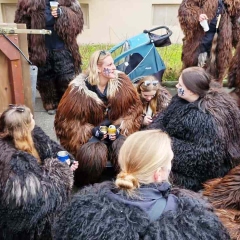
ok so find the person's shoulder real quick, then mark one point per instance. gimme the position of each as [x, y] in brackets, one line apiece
[92, 209]
[39, 135]
[122, 77]
[99, 189]
[193, 216]
[79, 81]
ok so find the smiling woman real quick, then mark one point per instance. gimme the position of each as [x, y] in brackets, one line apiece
[92, 102]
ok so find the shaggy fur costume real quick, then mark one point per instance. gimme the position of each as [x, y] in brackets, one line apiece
[163, 99]
[31, 194]
[92, 214]
[68, 25]
[228, 35]
[234, 75]
[205, 142]
[224, 194]
[57, 65]
[80, 110]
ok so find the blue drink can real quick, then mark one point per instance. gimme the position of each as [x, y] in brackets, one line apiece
[63, 156]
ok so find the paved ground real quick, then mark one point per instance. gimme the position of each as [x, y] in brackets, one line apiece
[43, 119]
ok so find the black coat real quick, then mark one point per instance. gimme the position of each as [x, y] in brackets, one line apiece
[30, 193]
[199, 152]
[92, 214]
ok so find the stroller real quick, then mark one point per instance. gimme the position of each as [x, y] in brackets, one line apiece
[138, 56]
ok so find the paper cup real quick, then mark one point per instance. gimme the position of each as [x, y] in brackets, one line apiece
[204, 24]
[54, 5]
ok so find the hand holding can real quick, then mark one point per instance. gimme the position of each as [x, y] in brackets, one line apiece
[112, 132]
[63, 156]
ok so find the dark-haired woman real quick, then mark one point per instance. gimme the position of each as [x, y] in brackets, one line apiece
[33, 183]
[204, 125]
[141, 203]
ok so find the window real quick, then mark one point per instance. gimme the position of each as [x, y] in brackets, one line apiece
[85, 10]
[165, 14]
[8, 12]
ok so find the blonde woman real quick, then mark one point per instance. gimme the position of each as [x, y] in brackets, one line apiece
[141, 204]
[99, 98]
[33, 183]
[155, 98]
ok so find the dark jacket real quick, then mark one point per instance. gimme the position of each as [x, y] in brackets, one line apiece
[94, 214]
[199, 152]
[30, 193]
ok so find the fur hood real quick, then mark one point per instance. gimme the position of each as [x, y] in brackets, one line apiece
[80, 110]
[93, 215]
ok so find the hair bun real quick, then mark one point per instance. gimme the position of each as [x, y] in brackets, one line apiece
[126, 181]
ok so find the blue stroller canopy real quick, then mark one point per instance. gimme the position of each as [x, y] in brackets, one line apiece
[138, 56]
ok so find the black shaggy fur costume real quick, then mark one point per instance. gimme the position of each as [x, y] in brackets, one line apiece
[92, 214]
[31, 194]
[205, 142]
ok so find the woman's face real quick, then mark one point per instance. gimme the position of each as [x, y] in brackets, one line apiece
[107, 68]
[148, 96]
[162, 173]
[32, 124]
[182, 90]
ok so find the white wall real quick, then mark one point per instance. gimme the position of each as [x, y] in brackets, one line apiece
[111, 21]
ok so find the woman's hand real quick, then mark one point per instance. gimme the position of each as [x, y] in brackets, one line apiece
[147, 120]
[202, 17]
[55, 13]
[112, 137]
[74, 165]
[104, 136]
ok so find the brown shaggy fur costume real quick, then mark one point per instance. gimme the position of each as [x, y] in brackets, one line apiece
[234, 76]
[32, 13]
[224, 194]
[228, 36]
[80, 110]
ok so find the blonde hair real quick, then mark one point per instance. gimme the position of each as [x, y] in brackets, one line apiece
[15, 124]
[96, 60]
[140, 156]
[148, 88]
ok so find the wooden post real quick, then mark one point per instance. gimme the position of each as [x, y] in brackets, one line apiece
[15, 68]
[15, 83]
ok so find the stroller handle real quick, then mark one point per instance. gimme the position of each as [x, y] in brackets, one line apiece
[169, 32]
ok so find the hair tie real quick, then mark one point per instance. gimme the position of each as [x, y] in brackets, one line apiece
[127, 181]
